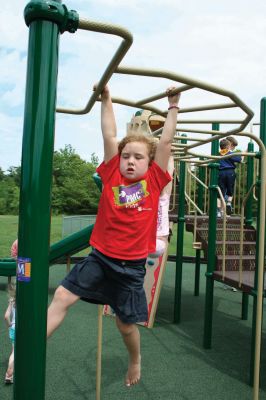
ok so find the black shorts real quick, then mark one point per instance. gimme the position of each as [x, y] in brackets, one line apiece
[104, 280]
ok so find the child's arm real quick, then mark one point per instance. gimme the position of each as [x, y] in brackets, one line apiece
[164, 146]
[8, 314]
[108, 125]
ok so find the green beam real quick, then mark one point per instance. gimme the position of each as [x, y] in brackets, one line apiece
[35, 210]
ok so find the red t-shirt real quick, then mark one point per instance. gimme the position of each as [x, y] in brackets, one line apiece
[125, 227]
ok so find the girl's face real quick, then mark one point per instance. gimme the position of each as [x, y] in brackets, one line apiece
[134, 160]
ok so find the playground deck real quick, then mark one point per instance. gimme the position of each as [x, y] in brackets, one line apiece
[175, 366]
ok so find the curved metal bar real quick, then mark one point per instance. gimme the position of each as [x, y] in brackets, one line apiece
[193, 83]
[207, 121]
[118, 56]
[211, 157]
[208, 108]
[131, 103]
[162, 95]
[189, 84]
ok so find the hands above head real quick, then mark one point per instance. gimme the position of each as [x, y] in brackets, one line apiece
[173, 99]
[105, 94]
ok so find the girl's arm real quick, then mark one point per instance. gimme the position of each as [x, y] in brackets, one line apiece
[163, 150]
[108, 125]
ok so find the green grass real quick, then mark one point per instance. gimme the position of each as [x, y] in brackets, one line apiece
[9, 229]
[9, 232]
[188, 241]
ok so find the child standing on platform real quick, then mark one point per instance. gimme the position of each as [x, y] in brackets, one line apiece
[227, 176]
[162, 233]
[133, 175]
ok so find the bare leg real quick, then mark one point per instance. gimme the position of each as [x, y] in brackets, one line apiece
[131, 337]
[10, 368]
[57, 310]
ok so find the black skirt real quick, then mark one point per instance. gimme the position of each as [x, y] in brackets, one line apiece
[104, 280]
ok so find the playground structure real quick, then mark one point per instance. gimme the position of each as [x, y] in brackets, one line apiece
[47, 19]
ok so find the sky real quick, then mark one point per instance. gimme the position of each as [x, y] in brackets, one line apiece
[220, 42]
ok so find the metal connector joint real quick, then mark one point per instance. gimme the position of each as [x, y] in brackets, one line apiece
[52, 10]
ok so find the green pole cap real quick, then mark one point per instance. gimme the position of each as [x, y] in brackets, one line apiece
[51, 10]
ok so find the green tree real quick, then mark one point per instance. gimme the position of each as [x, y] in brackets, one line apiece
[15, 174]
[9, 196]
[2, 175]
[74, 191]
[94, 160]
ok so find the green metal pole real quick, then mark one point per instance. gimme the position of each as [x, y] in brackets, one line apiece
[211, 244]
[248, 219]
[35, 210]
[250, 170]
[180, 241]
[215, 143]
[201, 174]
[211, 256]
[197, 273]
[254, 318]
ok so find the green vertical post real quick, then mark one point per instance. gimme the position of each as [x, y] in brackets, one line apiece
[249, 183]
[215, 143]
[200, 201]
[201, 175]
[180, 241]
[197, 272]
[43, 19]
[211, 256]
[254, 318]
[248, 219]
[211, 243]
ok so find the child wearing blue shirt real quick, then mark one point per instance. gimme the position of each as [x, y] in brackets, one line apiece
[227, 175]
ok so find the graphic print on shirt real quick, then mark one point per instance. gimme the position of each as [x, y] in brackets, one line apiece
[130, 196]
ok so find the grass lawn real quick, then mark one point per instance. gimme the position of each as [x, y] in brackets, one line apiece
[9, 232]
[9, 229]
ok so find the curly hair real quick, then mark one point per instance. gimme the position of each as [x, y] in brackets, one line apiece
[150, 141]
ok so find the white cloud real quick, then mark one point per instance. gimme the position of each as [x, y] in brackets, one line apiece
[221, 43]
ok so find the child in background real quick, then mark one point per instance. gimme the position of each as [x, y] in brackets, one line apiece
[162, 233]
[14, 249]
[233, 143]
[10, 316]
[227, 176]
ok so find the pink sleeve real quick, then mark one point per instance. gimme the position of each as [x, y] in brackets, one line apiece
[14, 249]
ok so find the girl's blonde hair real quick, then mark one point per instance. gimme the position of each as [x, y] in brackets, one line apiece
[150, 142]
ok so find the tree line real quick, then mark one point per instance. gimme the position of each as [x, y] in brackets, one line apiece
[73, 187]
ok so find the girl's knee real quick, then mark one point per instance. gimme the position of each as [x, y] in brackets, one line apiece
[125, 329]
[64, 296]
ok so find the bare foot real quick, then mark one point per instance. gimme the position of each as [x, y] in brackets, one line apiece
[9, 378]
[133, 373]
